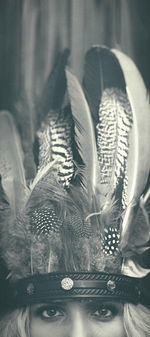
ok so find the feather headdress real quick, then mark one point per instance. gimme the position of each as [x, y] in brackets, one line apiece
[79, 217]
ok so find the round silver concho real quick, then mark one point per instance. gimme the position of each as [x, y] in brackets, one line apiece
[67, 283]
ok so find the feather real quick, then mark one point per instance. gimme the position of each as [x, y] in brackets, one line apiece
[115, 122]
[4, 204]
[104, 86]
[23, 250]
[30, 111]
[135, 240]
[130, 268]
[16, 243]
[124, 170]
[139, 152]
[55, 144]
[40, 175]
[25, 110]
[84, 134]
[146, 197]
[46, 253]
[54, 135]
[74, 246]
[25, 116]
[101, 71]
[11, 162]
[54, 90]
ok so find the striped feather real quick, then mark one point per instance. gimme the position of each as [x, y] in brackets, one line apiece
[55, 145]
[115, 122]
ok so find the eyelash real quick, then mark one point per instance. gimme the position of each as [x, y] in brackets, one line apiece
[56, 313]
[104, 312]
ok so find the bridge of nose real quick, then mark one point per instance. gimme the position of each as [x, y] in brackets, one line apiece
[79, 321]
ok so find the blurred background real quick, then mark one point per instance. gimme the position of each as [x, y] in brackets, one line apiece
[32, 32]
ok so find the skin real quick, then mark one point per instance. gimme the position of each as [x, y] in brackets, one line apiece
[77, 319]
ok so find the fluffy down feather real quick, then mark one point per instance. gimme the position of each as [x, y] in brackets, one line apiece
[71, 249]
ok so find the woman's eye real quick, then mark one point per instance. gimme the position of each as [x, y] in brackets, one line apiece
[104, 313]
[50, 313]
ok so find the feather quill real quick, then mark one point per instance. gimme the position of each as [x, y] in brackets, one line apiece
[139, 152]
[11, 162]
[84, 134]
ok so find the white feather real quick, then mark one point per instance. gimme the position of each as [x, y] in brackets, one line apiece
[130, 268]
[139, 151]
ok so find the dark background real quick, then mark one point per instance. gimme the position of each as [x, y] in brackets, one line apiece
[33, 31]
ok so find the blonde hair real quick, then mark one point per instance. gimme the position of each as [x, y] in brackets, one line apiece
[136, 320]
[136, 317]
[15, 324]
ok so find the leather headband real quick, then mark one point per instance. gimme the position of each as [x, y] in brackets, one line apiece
[52, 286]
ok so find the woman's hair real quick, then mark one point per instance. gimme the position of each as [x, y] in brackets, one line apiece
[136, 317]
[15, 324]
[136, 320]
